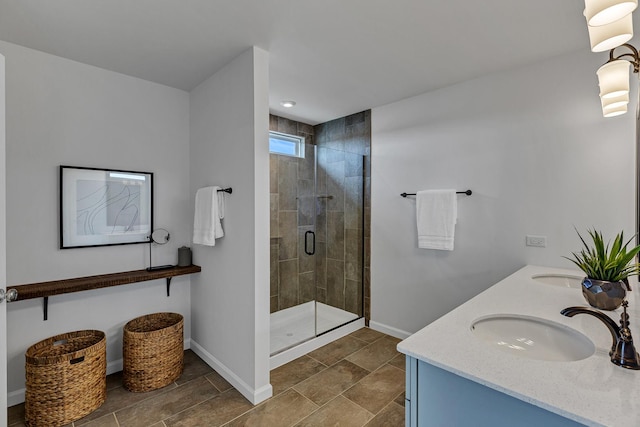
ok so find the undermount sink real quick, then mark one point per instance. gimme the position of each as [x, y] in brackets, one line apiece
[563, 280]
[533, 337]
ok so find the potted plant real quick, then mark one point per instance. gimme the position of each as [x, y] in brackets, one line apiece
[607, 268]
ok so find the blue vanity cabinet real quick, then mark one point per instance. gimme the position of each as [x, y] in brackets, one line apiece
[435, 398]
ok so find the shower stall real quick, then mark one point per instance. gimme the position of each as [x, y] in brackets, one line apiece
[317, 249]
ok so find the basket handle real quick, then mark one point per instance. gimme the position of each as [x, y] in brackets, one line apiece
[60, 342]
[76, 360]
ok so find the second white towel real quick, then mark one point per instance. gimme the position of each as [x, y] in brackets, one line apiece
[209, 210]
[436, 214]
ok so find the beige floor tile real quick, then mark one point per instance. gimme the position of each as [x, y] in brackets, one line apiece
[165, 405]
[294, 372]
[391, 415]
[220, 383]
[400, 361]
[340, 412]
[375, 354]
[108, 420]
[194, 367]
[400, 399]
[119, 398]
[377, 389]
[15, 414]
[284, 410]
[329, 383]
[337, 350]
[205, 398]
[114, 380]
[367, 334]
[213, 412]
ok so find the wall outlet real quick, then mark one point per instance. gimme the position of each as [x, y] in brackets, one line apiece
[537, 241]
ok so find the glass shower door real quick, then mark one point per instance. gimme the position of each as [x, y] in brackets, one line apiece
[293, 249]
[339, 235]
[316, 244]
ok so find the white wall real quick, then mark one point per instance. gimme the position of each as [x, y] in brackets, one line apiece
[3, 248]
[229, 147]
[64, 112]
[532, 145]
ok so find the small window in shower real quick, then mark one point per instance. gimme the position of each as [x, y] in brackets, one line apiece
[288, 145]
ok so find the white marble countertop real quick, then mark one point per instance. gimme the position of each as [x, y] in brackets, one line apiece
[592, 391]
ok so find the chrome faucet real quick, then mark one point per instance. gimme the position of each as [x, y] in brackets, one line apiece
[622, 353]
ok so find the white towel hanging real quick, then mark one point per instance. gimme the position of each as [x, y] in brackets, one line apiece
[436, 215]
[209, 210]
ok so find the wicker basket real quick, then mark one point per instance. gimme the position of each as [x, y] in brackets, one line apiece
[152, 351]
[65, 378]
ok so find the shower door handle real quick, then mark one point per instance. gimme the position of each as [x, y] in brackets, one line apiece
[306, 243]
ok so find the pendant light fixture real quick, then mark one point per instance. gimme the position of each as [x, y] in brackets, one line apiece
[611, 35]
[612, 112]
[613, 78]
[610, 25]
[615, 106]
[603, 12]
[615, 101]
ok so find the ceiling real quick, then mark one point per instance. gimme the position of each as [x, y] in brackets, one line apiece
[333, 57]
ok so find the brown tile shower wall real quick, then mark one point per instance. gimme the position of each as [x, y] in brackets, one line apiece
[340, 174]
[336, 275]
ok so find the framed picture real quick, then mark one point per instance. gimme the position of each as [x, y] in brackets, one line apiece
[100, 207]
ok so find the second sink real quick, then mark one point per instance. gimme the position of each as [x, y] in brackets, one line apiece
[533, 337]
[562, 280]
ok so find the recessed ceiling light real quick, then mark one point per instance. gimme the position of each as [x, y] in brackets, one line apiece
[288, 104]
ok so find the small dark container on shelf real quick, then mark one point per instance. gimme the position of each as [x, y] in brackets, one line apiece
[184, 256]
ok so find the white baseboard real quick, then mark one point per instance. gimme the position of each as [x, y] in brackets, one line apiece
[385, 329]
[114, 366]
[17, 397]
[313, 344]
[254, 396]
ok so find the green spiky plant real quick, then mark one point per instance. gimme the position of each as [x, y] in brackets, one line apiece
[601, 262]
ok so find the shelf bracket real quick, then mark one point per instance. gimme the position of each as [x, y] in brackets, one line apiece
[168, 285]
[45, 307]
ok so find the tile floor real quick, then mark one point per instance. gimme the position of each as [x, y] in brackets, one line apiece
[357, 380]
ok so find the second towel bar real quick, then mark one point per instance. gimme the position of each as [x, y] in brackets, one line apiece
[468, 193]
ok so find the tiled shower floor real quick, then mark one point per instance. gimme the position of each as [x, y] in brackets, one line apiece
[294, 325]
[357, 380]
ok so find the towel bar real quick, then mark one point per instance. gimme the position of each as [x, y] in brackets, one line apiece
[226, 190]
[468, 193]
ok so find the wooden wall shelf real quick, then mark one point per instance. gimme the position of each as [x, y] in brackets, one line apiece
[58, 287]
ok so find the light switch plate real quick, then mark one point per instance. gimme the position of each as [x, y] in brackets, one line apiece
[537, 241]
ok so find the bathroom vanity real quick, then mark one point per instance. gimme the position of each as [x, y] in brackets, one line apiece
[469, 368]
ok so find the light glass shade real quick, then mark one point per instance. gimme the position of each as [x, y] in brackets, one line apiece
[615, 101]
[613, 78]
[607, 37]
[612, 112]
[603, 12]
